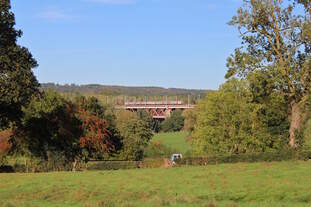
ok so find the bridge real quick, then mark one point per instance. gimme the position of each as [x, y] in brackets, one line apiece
[157, 109]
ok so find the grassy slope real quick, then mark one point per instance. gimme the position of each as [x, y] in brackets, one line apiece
[174, 140]
[259, 184]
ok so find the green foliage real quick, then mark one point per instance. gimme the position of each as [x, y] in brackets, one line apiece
[307, 134]
[158, 149]
[230, 122]
[174, 123]
[153, 124]
[135, 135]
[190, 119]
[49, 126]
[275, 47]
[17, 82]
[3, 160]
[90, 105]
[118, 93]
[146, 117]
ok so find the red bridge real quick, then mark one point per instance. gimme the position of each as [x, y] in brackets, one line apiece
[157, 109]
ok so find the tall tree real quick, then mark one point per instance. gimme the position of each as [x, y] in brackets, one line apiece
[276, 40]
[135, 134]
[17, 81]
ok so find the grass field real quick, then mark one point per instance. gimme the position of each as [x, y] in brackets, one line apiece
[247, 185]
[174, 140]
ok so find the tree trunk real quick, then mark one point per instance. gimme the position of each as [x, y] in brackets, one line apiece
[295, 122]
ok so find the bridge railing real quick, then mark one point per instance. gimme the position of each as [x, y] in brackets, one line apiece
[154, 103]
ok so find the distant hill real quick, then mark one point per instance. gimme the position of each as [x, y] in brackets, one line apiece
[121, 90]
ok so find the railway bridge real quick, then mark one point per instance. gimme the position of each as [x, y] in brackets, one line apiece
[157, 109]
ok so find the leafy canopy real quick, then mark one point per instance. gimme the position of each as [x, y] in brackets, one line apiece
[17, 81]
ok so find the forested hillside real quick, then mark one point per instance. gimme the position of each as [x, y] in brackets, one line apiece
[121, 90]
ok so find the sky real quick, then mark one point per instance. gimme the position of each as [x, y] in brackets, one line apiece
[167, 43]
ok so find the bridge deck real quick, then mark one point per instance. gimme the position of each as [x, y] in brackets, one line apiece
[158, 110]
[156, 105]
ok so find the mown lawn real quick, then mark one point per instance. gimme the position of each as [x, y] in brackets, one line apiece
[176, 140]
[260, 184]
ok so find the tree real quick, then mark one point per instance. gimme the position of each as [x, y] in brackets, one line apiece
[190, 117]
[17, 81]
[5, 145]
[96, 140]
[146, 117]
[229, 121]
[49, 125]
[174, 123]
[135, 134]
[153, 124]
[101, 137]
[276, 41]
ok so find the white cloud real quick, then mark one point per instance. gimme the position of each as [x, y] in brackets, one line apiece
[113, 1]
[54, 15]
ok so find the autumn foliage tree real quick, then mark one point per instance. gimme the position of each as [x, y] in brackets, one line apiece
[100, 137]
[5, 144]
[95, 141]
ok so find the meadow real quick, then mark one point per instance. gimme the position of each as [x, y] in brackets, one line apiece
[174, 140]
[229, 185]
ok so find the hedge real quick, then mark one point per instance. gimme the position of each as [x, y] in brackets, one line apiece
[254, 157]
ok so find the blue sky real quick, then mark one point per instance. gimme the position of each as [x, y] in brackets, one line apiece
[169, 43]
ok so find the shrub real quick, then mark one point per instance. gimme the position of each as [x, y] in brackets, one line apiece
[124, 165]
[112, 165]
[152, 163]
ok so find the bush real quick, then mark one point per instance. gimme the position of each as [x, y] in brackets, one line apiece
[152, 163]
[112, 165]
[3, 160]
[124, 165]
[56, 161]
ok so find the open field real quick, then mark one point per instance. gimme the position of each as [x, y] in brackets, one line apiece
[259, 184]
[174, 140]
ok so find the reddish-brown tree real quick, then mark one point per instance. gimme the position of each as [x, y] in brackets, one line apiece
[5, 145]
[96, 137]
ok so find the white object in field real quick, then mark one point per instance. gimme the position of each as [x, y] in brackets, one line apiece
[176, 157]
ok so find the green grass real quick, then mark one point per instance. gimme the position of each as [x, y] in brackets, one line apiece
[176, 140]
[247, 185]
